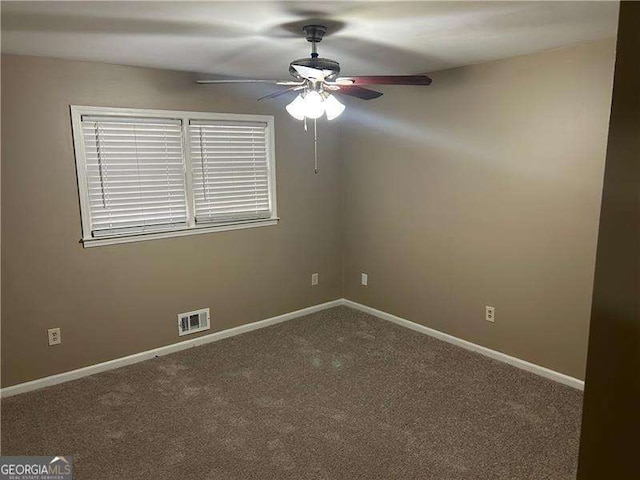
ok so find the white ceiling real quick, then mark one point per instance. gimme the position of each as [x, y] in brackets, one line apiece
[259, 39]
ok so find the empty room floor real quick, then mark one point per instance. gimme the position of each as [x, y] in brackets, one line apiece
[339, 394]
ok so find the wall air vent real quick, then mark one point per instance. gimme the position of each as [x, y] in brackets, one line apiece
[192, 322]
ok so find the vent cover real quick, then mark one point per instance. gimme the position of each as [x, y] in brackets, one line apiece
[192, 322]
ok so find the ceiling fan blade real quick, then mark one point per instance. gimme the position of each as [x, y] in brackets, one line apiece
[311, 73]
[281, 92]
[235, 80]
[359, 92]
[385, 80]
[248, 80]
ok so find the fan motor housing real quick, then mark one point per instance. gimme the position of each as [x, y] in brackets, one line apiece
[318, 64]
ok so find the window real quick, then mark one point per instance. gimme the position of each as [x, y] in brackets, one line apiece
[146, 174]
[230, 170]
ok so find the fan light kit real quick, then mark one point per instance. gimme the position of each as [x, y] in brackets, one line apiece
[317, 82]
[313, 105]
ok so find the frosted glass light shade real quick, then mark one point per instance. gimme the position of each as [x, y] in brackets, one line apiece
[297, 108]
[332, 107]
[313, 105]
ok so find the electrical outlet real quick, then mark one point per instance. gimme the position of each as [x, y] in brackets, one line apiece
[489, 314]
[364, 279]
[55, 337]
[314, 279]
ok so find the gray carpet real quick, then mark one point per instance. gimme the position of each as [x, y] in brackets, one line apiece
[335, 395]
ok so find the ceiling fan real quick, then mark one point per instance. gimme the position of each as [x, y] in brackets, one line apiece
[317, 79]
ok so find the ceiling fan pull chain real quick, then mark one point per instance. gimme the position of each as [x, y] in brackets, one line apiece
[315, 143]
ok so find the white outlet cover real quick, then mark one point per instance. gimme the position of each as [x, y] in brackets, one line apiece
[55, 337]
[490, 314]
[314, 279]
[364, 279]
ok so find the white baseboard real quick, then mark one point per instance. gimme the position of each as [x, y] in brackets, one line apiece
[502, 357]
[213, 337]
[158, 352]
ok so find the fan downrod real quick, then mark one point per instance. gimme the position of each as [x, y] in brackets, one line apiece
[314, 34]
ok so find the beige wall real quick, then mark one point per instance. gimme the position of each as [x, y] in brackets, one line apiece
[484, 189]
[481, 189]
[118, 300]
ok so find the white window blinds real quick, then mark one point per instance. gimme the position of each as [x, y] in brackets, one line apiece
[134, 174]
[230, 170]
[149, 174]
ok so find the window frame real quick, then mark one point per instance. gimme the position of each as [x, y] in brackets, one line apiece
[78, 111]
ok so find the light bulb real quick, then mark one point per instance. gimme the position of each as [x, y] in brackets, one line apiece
[297, 108]
[313, 105]
[332, 107]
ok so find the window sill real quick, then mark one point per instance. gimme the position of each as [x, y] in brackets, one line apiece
[99, 242]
